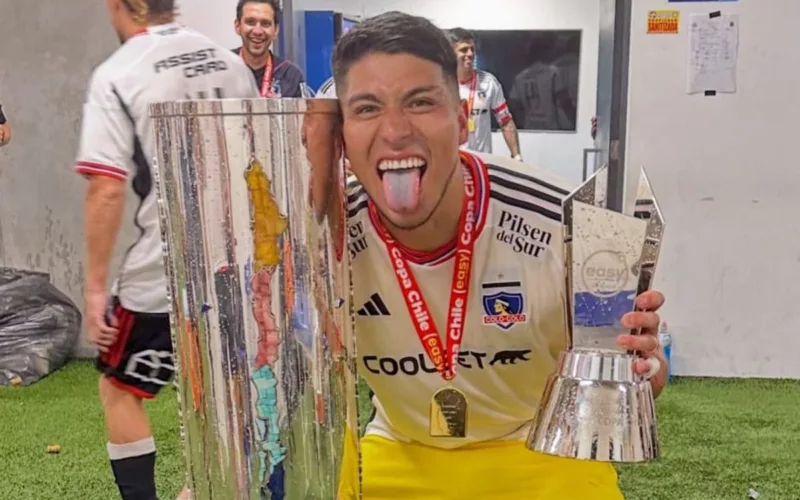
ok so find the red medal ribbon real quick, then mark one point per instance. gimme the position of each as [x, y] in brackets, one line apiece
[472, 88]
[266, 80]
[444, 360]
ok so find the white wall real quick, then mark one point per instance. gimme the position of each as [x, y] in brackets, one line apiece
[724, 169]
[214, 18]
[41, 197]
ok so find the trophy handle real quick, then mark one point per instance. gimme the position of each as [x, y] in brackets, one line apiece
[647, 208]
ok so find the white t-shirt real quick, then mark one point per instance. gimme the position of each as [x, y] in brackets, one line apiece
[517, 274]
[166, 63]
[488, 98]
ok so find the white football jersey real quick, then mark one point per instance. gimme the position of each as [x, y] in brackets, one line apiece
[487, 98]
[164, 63]
[515, 323]
[328, 89]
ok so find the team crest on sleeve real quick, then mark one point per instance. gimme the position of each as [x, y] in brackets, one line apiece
[503, 304]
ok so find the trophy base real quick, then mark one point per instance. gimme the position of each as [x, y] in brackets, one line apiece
[595, 407]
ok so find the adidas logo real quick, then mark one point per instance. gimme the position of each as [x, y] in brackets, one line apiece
[374, 307]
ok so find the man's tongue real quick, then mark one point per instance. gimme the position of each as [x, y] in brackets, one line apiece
[401, 189]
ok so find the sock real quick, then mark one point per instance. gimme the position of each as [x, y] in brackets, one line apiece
[134, 466]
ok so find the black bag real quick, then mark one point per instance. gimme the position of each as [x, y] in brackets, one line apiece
[39, 327]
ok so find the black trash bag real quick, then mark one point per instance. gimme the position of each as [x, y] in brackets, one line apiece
[39, 327]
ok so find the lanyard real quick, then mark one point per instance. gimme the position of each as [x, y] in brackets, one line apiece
[266, 80]
[428, 333]
[473, 85]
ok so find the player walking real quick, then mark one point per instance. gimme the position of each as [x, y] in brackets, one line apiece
[159, 60]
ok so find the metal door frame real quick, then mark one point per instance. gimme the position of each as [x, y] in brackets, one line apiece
[612, 95]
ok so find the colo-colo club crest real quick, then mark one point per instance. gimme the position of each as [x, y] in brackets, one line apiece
[503, 304]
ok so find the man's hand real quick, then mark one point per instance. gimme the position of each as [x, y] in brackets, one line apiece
[5, 134]
[646, 344]
[99, 332]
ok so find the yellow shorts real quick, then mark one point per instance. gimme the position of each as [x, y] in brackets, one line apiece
[498, 470]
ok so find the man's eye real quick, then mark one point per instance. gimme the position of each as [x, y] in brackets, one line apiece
[366, 109]
[421, 103]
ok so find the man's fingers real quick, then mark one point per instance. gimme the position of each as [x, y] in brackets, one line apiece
[113, 321]
[640, 343]
[641, 320]
[101, 342]
[103, 334]
[107, 329]
[102, 338]
[647, 367]
[650, 300]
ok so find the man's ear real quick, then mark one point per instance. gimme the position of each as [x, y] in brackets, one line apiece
[115, 6]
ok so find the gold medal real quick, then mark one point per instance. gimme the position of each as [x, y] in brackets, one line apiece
[448, 413]
[471, 125]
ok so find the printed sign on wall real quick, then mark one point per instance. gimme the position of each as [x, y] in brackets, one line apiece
[663, 21]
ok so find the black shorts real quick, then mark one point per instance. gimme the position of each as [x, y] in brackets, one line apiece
[141, 360]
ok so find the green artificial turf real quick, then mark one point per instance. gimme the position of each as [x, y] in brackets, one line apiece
[719, 437]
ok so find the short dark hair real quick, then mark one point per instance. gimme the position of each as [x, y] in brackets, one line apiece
[158, 7]
[458, 35]
[395, 33]
[145, 8]
[276, 8]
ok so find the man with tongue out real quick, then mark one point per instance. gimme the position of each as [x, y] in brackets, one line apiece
[458, 285]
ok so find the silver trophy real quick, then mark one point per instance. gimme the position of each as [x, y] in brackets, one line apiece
[251, 199]
[594, 406]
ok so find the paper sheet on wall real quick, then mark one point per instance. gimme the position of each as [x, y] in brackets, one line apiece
[713, 53]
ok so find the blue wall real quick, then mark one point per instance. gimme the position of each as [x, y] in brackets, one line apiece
[320, 39]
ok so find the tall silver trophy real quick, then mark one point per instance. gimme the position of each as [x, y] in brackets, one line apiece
[251, 199]
[594, 406]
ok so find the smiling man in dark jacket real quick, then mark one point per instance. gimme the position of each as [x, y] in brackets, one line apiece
[258, 24]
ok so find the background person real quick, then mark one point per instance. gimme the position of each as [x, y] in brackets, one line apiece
[258, 24]
[483, 95]
[131, 328]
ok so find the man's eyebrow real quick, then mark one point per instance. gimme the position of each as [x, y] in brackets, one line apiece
[420, 90]
[364, 96]
[369, 97]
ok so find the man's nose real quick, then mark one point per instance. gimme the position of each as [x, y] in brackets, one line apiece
[395, 126]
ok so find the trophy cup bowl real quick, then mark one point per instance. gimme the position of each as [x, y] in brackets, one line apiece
[594, 406]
